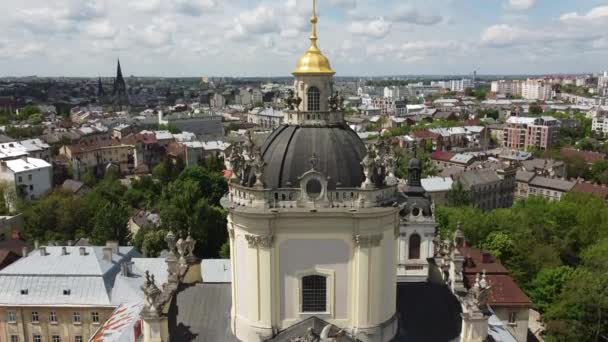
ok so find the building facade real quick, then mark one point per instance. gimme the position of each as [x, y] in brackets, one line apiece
[524, 133]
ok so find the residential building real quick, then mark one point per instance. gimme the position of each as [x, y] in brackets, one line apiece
[36, 148]
[84, 156]
[265, 117]
[509, 88]
[59, 293]
[31, 178]
[600, 120]
[489, 189]
[507, 301]
[545, 167]
[589, 157]
[205, 124]
[75, 187]
[536, 90]
[10, 227]
[143, 219]
[597, 190]
[438, 188]
[530, 184]
[524, 133]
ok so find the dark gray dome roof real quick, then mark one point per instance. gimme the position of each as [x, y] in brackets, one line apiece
[415, 163]
[288, 151]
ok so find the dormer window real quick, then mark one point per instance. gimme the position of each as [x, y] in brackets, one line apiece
[314, 99]
[67, 292]
[24, 292]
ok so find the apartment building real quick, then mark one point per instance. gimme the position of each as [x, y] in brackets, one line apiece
[59, 293]
[523, 133]
[511, 88]
[530, 184]
[536, 90]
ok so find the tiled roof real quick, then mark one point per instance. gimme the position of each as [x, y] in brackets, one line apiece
[442, 155]
[594, 189]
[588, 156]
[474, 262]
[552, 183]
[504, 291]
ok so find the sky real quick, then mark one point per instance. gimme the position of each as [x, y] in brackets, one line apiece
[193, 38]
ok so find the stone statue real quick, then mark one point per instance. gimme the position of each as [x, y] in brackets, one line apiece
[290, 100]
[258, 169]
[369, 164]
[297, 102]
[333, 102]
[477, 295]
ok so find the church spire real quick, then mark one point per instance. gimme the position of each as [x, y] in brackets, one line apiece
[313, 62]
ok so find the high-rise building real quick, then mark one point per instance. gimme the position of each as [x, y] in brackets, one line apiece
[523, 133]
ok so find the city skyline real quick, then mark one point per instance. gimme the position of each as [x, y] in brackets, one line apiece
[260, 39]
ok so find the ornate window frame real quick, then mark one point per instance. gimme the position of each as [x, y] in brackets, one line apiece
[330, 276]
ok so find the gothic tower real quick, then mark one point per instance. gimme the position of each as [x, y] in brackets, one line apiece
[312, 221]
[119, 92]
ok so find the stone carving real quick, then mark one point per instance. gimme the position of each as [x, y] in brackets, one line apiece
[261, 241]
[368, 164]
[477, 295]
[390, 162]
[313, 161]
[152, 294]
[334, 102]
[258, 169]
[297, 102]
[364, 241]
[290, 100]
[324, 336]
[236, 163]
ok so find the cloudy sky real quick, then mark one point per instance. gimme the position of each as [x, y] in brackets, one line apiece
[265, 37]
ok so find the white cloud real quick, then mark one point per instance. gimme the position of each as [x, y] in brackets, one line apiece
[411, 15]
[145, 5]
[595, 15]
[521, 5]
[17, 50]
[101, 30]
[377, 28]
[345, 4]
[260, 20]
[194, 7]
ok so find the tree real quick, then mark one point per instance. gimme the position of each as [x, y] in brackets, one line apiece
[546, 287]
[110, 224]
[225, 250]
[458, 196]
[500, 244]
[154, 243]
[535, 109]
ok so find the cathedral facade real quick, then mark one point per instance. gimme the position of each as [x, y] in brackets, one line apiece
[311, 221]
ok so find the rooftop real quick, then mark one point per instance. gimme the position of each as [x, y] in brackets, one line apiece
[26, 164]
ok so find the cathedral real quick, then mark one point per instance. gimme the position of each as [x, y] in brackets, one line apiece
[325, 243]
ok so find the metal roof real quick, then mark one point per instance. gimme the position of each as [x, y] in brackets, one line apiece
[128, 289]
[434, 184]
[28, 164]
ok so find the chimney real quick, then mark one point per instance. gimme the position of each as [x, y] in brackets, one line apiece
[486, 258]
[36, 244]
[113, 245]
[126, 268]
[70, 243]
[24, 252]
[83, 251]
[42, 251]
[107, 254]
[64, 250]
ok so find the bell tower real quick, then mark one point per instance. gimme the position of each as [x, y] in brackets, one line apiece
[314, 102]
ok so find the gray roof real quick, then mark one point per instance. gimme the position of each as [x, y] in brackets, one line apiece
[89, 278]
[288, 150]
[128, 289]
[72, 185]
[538, 163]
[524, 176]
[552, 183]
[433, 184]
[201, 313]
[478, 177]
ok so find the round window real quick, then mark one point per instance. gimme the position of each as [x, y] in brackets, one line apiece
[313, 188]
[416, 211]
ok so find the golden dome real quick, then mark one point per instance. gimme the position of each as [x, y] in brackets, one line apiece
[313, 62]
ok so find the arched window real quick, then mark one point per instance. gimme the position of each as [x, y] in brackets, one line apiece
[314, 293]
[314, 99]
[414, 250]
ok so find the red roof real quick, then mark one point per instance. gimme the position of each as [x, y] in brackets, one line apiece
[442, 155]
[503, 291]
[594, 189]
[476, 263]
[588, 156]
[423, 134]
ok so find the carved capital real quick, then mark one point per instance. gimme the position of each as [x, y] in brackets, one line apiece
[262, 241]
[363, 241]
